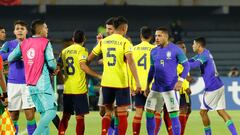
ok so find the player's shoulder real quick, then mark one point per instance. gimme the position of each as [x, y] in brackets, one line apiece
[154, 50]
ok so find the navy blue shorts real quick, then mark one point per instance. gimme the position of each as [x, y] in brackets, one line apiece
[122, 96]
[140, 100]
[184, 101]
[77, 103]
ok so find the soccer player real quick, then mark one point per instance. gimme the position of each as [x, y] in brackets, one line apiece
[185, 99]
[213, 97]
[73, 61]
[3, 86]
[116, 51]
[39, 61]
[164, 60]
[114, 122]
[109, 30]
[141, 55]
[18, 92]
[2, 34]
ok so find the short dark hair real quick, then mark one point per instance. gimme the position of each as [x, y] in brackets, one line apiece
[36, 23]
[163, 29]
[180, 42]
[110, 21]
[78, 36]
[201, 41]
[146, 32]
[1, 27]
[20, 22]
[118, 21]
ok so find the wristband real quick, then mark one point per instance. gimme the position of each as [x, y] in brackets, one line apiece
[181, 79]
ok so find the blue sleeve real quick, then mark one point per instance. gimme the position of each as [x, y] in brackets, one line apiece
[49, 57]
[186, 69]
[16, 54]
[196, 61]
[151, 74]
[4, 52]
[181, 56]
[151, 71]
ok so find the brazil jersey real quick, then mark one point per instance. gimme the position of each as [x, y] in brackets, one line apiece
[113, 49]
[141, 56]
[75, 77]
[185, 83]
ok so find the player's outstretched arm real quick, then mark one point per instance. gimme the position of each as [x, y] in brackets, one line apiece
[91, 57]
[133, 69]
[88, 70]
[16, 54]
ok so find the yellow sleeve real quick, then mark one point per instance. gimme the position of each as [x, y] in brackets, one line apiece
[128, 47]
[97, 49]
[83, 56]
[179, 69]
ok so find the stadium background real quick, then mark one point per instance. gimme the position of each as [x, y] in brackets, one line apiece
[217, 20]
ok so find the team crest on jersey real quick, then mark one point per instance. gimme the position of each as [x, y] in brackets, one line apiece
[31, 53]
[84, 57]
[169, 54]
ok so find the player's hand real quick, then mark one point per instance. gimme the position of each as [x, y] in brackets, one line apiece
[178, 86]
[99, 37]
[99, 77]
[188, 90]
[55, 72]
[146, 92]
[133, 93]
[138, 89]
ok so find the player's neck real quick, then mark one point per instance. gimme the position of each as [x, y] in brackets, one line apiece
[20, 39]
[200, 50]
[165, 44]
[81, 44]
[118, 32]
[145, 40]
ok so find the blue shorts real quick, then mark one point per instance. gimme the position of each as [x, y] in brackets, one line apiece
[140, 100]
[122, 96]
[77, 103]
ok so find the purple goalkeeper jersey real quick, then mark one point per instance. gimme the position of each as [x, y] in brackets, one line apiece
[208, 70]
[163, 68]
[16, 68]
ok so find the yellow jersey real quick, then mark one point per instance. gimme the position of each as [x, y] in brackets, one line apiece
[185, 84]
[141, 56]
[75, 77]
[113, 49]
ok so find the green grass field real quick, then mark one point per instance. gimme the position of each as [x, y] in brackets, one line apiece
[194, 125]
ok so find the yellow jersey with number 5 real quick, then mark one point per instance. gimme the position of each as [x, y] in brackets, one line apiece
[113, 49]
[75, 77]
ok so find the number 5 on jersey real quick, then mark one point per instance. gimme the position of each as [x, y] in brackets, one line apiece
[111, 56]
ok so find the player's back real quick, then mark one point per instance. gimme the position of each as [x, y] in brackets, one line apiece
[75, 77]
[209, 71]
[141, 56]
[113, 49]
